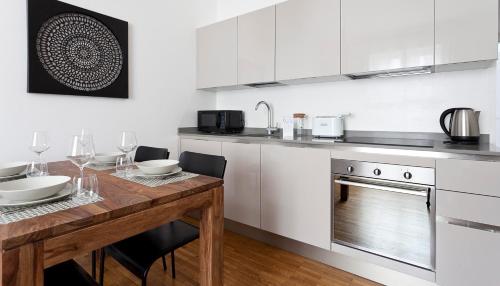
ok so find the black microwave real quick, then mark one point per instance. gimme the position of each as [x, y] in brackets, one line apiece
[221, 121]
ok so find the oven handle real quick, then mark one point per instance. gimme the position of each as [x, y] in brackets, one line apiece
[422, 193]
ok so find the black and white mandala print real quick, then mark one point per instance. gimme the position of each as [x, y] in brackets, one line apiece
[79, 51]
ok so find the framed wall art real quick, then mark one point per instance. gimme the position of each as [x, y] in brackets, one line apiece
[74, 51]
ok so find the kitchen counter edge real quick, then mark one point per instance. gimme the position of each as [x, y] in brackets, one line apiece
[479, 153]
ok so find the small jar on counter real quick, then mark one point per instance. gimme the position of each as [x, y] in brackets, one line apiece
[299, 123]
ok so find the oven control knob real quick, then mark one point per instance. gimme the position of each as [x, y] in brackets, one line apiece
[350, 169]
[377, 172]
[408, 175]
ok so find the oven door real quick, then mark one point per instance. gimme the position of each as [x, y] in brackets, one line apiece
[390, 219]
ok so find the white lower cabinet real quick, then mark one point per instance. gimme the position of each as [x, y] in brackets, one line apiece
[466, 256]
[295, 194]
[242, 183]
[467, 239]
[201, 146]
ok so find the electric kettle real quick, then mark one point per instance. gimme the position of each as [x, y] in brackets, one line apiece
[463, 126]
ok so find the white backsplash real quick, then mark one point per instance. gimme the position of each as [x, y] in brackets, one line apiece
[410, 104]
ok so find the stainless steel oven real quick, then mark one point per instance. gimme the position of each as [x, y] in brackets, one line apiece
[387, 210]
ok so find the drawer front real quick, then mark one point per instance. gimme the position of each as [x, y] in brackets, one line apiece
[466, 256]
[475, 177]
[466, 207]
[201, 146]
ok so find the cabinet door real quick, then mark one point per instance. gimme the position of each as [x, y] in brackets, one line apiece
[474, 177]
[256, 46]
[307, 39]
[467, 239]
[466, 30]
[466, 256]
[242, 183]
[201, 146]
[296, 193]
[386, 35]
[217, 54]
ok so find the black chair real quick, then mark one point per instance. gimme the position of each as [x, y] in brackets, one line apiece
[139, 252]
[68, 273]
[208, 165]
[145, 153]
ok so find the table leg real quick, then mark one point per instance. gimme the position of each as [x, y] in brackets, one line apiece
[22, 266]
[211, 240]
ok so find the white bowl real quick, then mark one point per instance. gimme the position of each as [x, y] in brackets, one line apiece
[158, 167]
[11, 169]
[107, 157]
[34, 188]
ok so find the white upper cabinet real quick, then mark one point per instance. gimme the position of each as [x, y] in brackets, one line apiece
[466, 30]
[256, 46]
[386, 35]
[242, 183]
[317, 40]
[307, 39]
[217, 54]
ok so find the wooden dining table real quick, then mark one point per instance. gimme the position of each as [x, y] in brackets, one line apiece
[29, 246]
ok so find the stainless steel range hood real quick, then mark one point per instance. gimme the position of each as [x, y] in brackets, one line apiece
[265, 84]
[392, 73]
[424, 70]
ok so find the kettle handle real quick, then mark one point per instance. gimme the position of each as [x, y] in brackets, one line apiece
[442, 119]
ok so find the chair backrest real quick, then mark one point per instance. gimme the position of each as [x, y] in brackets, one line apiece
[145, 153]
[203, 164]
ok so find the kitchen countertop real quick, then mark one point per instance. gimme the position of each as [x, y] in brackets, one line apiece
[400, 143]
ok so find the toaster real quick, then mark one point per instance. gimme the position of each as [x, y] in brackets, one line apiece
[328, 126]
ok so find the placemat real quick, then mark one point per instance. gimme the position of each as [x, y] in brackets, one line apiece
[14, 214]
[156, 182]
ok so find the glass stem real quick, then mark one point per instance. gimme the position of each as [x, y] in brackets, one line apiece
[81, 172]
[40, 163]
[127, 164]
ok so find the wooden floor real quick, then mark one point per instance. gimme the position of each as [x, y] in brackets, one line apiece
[246, 262]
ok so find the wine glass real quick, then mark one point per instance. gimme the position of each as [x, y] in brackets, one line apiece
[128, 142]
[86, 132]
[40, 144]
[82, 151]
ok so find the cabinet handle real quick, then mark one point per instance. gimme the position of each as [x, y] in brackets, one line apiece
[422, 193]
[469, 224]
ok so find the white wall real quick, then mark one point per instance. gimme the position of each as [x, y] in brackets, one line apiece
[411, 104]
[162, 80]
[230, 8]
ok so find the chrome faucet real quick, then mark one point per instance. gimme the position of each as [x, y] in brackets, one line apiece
[270, 129]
